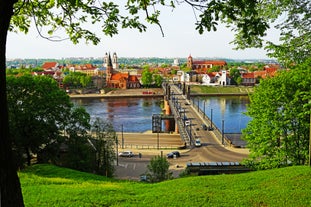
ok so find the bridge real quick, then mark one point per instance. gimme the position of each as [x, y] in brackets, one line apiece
[188, 119]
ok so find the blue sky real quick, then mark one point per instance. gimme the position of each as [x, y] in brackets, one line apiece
[180, 40]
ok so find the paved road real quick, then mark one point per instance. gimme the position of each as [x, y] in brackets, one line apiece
[146, 143]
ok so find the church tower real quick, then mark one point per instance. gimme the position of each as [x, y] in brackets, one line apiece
[109, 69]
[105, 60]
[115, 64]
[190, 62]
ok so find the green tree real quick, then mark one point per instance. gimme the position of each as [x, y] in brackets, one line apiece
[146, 77]
[38, 111]
[104, 144]
[77, 79]
[158, 79]
[235, 75]
[81, 154]
[158, 169]
[278, 133]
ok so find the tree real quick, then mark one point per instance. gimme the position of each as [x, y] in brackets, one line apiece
[104, 142]
[235, 75]
[158, 79]
[38, 111]
[158, 169]
[146, 77]
[80, 155]
[278, 134]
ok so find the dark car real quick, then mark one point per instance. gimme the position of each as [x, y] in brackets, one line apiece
[204, 127]
[172, 154]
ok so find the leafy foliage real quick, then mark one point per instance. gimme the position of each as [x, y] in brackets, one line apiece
[278, 133]
[103, 144]
[158, 169]
[38, 110]
[39, 114]
[77, 79]
[146, 77]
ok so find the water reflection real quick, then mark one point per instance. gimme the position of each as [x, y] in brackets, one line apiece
[135, 114]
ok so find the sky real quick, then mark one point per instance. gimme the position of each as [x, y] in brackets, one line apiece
[180, 40]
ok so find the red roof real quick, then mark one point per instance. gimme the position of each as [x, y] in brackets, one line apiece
[49, 65]
[210, 62]
[248, 75]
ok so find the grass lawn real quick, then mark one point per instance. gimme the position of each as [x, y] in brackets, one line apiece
[47, 185]
[196, 89]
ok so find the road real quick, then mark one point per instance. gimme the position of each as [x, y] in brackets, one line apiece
[211, 150]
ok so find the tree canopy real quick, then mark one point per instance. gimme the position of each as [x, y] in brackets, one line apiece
[278, 134]
[39, 113]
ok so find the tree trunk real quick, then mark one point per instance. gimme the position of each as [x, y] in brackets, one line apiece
[10, 189]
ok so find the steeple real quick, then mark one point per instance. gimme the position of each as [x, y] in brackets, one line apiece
[109, 70]
[109, 64]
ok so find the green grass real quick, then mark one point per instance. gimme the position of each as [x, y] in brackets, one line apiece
[47, 185]
[196, 89]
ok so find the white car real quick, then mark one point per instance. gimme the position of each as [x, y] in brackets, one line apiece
[126, 154]
[187, 123]
[197, 143]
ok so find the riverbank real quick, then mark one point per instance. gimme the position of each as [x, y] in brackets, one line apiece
[159, 92]
[124, 93]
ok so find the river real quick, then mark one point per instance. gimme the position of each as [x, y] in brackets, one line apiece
[135, 114]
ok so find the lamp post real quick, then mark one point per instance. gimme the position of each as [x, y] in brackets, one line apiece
[223, 131]
[158, 139]
[198, 103]
[122, 141]
[116, 138]
[204, 109]
[211, 118]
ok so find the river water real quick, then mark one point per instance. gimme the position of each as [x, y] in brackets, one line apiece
[135, 114]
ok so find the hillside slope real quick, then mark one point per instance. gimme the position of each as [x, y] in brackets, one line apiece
[48, 185]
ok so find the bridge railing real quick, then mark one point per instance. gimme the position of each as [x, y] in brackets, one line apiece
[218, 133]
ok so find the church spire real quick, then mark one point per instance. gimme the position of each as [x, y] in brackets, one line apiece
[109, 64]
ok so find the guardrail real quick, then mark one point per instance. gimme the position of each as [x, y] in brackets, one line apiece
[213, 168]
[218, 133]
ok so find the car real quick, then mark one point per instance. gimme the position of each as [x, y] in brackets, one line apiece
[126, 154]
[204, 127]
[173, 154]
[197, 143]
[187, 123]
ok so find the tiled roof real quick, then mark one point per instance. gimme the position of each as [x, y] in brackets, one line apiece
[248, 75]
[49, 65]
[119, 76]
[209, 62]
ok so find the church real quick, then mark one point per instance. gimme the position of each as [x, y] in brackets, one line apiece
[116, 78]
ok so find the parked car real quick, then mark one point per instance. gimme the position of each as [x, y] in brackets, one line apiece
[204, 127]
[126, 154]
[172, 154]
[197, 143]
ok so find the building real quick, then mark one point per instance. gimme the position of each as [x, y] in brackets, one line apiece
[116, 79]
[201, 66]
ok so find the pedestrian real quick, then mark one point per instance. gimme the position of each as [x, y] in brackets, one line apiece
[139, 155]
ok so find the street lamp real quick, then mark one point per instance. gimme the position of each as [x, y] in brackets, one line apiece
[223, 131]
[211, 118]
[116, 138]
[122, 141]
[158, 139]
[204, 109]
